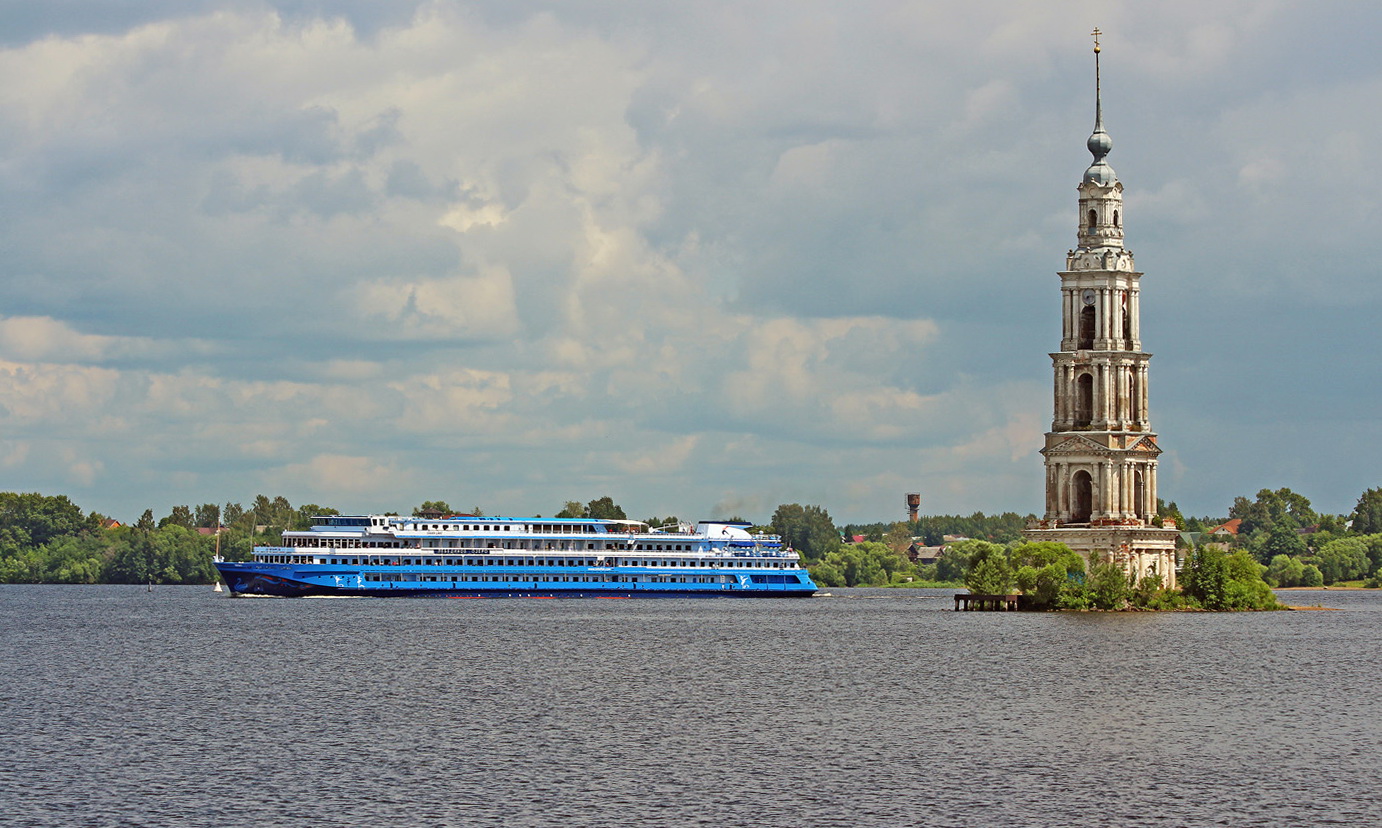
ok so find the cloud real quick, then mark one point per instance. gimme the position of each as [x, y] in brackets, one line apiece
[44, 339]
[338, 475]
[706, 258]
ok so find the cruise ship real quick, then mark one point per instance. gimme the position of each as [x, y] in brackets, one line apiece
[464, 556]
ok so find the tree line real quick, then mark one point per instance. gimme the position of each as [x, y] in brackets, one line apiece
[1299, 546]
[50, 539]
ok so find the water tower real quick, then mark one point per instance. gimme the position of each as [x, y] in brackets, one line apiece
[913, 506]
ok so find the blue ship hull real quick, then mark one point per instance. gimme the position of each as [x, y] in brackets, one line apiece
[305, 580]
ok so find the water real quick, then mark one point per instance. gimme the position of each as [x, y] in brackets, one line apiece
[872, 708]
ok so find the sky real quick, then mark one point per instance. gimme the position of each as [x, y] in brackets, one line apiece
[704, 258]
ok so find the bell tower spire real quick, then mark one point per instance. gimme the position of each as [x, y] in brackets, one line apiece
[1101, 453]
[1099, 142]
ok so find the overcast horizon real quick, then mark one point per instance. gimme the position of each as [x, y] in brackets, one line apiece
[701, 259]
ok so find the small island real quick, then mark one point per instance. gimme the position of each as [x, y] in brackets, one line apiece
[1052, 576]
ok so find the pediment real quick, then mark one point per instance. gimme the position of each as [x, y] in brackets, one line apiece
[1077, 445]
[1146, 445]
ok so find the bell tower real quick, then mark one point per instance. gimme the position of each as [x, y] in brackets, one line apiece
[1101, 454]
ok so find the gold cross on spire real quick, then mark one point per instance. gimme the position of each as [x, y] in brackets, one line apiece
[1096, 34]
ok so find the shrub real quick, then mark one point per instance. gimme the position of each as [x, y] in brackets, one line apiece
[1110, 586]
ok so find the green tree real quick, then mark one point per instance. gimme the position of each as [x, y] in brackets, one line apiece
[1285, 571]
[808, 529]
[1246, 589]
[1374, 546]
[1150, 593]
[1043, 553]
[1169, 511]
[180, 556]
[952, 565]
[1367, 515]
[572, 509]
[1343, 559]
[133, 559]
[73, 559]
[180, 516]
[146, 521]
[1280, 539]
[208, 516]
[990, 571]
[32, 520]
[433, 506]
[826, 574]
[604, 508]
[277, 514]
[307, 511]
[991, 576]
[1219, 580]
[898, 537]
[1043, 569]
[1271, 508]
[863, 564]
[1004, 528]
[1205, 576]
[1333, 524]
[1041, 586]
[1110, 585]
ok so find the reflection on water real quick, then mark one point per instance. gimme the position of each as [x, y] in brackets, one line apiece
[872, 707]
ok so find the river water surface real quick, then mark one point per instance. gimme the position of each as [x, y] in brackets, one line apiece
[182, 707]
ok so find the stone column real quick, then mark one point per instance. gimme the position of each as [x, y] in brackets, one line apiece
[1105, 308]
[1124, 398]
[1119, 309]
[1067, 396]
[1068, 314]
[1052, 489]
[1062, 496]
[1146, 394]
[1097, 414]
[1109, 410]
[1135, 308]
[1151, 492]
[1111, 510]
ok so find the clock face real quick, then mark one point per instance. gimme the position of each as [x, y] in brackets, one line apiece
[1088, 296]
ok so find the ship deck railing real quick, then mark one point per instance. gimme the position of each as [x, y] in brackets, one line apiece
[475, 551]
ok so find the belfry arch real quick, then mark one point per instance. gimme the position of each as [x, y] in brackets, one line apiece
[1081, 497]
[1084, 400]
[1139, 497]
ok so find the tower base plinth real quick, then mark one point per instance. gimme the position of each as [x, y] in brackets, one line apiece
[1140, 550]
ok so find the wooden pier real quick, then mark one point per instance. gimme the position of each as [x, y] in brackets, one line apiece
[986, 603]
